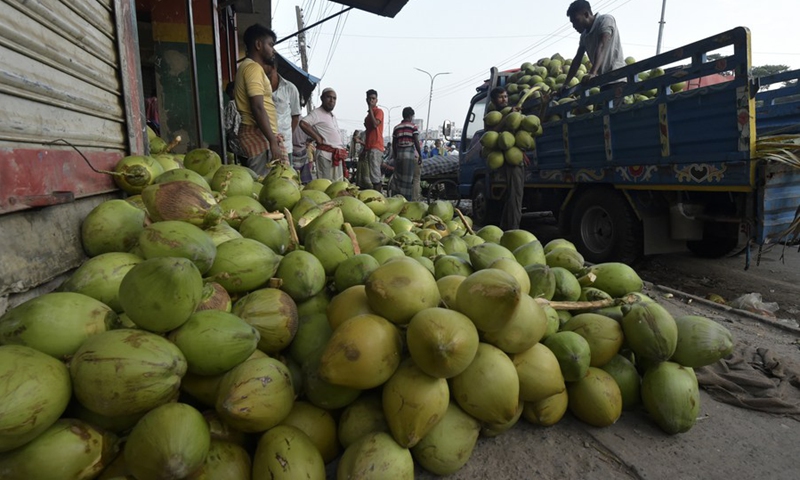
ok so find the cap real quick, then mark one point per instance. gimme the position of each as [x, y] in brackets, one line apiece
[327, 90]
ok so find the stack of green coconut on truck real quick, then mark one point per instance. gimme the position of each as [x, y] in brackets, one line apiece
[228, 326]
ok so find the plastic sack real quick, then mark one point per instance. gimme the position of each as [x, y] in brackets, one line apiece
[752, 302]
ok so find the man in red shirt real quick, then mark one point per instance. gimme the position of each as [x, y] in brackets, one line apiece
[373, 145]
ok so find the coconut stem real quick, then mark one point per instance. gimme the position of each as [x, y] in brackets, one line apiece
[350, 233]
[223, 190]
[609, 302]
[292, 231]
[464, 221]
[275, 282]
[174, 143]
[304, 220]
[390, 218]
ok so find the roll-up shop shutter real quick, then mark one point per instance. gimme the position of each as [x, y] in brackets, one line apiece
[68, 70]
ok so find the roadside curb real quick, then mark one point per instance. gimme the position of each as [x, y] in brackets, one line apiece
[725, 308]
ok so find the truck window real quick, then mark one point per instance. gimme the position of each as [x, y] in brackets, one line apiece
[475, 117]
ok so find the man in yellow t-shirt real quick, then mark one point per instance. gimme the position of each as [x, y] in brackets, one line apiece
[253, 93]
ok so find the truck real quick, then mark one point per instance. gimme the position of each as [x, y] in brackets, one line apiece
[678, 170]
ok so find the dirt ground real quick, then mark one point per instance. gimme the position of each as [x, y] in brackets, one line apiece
[727, 442]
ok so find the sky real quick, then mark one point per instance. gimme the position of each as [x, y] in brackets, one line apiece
[466, 38]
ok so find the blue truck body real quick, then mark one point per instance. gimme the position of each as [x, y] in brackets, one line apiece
[675, 171]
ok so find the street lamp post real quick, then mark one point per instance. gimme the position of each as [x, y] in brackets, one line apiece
[430, 98]
[389, 115]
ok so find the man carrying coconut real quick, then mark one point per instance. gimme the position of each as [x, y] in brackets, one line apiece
[515, 174]
[599, 40]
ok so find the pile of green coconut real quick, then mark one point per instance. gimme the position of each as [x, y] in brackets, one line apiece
[226, 326]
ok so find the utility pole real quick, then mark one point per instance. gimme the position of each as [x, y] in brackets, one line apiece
[661, 26]
[301, 43]
[430, 99]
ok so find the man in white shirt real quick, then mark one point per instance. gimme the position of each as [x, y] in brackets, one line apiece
[287, 105]
[322, 127]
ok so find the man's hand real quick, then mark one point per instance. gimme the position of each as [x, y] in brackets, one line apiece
[587, 77]
[275, 149]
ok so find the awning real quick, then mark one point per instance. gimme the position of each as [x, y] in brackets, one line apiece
[304, 81]
[385, 8]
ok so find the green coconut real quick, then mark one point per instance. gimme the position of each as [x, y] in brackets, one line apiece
[443, 209]
[363, 353]
[100, 277]
[565, 257]
[112, 226]
[173, 238]
[414, 211]
[397, 290]
[273, 314]
[362, 417]
[573, 354]
[225, 460]
[322, 393]
[182, 200]
[267, 231]
[331, 247]
[123, 372]
[603, 335]
[182, 174]
[171, 441]
[539, 373]
[650, 331]
[568, 289]
[168, 161]
[369, 239]
[222, 232]
[302, 273]
[348, 304]
[214, 297]
[83, 452]
[595, 398]
[448, 290]
[627, 378]
[616, 279]
[243, 264]
[413, 402]
[316, 304]
[354, 271]
[318, 424]
[489, 298]
[453, 243]
[354, 211]
[527, 326]
[203, 161]
[490, 233]
[543, 281]
[483, 255]
[510, 266]
[442, 342]
[376, 456]
[202, 388]
[56, 323]
[214, 342]
[117, 424]
[285, 452]
[256, 395]
[232, 180]
[387, 252]
[279, 193]
[701, 341]
[318, 219]
[34, 393]
[671, 396]
[410, 243]
[159, 294]
[531, 253]
[447, 265]
[238, 207]
[135, 172]
[488, 389]
[219, 430]
[449, 444]
[374, 200]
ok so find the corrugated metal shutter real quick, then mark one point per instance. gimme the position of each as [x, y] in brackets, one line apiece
[59, 74]
[68, 70]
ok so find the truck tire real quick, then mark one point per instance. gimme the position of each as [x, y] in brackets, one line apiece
[719, 240]
[484, 210]
[605, 228]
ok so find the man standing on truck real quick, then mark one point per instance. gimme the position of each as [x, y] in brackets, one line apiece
[515, 174]
[253, 94]
[599, 40]
[321, 125]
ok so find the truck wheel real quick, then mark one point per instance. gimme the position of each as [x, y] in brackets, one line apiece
[484, 210]
[719, 240]
[605, 227]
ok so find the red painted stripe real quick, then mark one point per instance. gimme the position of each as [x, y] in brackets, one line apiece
[32, 178]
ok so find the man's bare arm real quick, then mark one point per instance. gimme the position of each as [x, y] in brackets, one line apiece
[262, 120]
